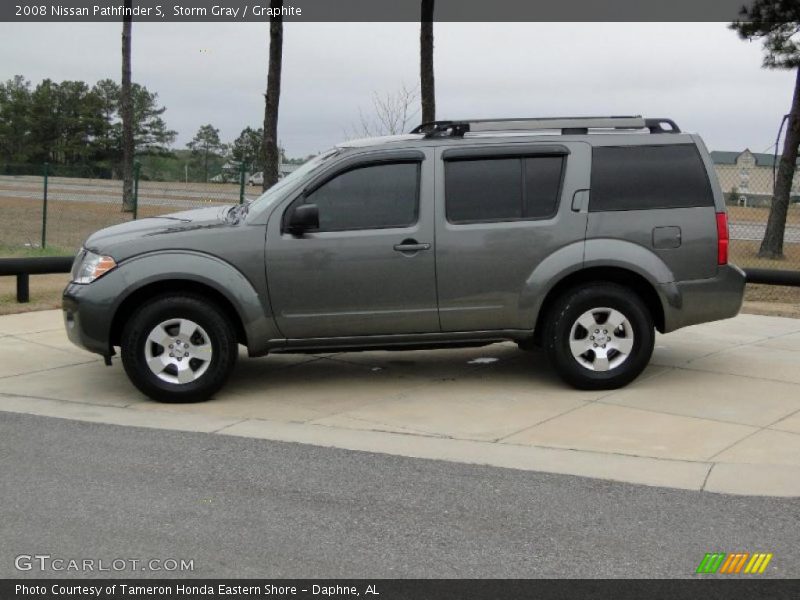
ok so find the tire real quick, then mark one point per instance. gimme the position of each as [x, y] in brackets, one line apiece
[193, 330]
[582, 319]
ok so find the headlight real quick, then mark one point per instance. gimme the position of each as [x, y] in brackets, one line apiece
[90, 266]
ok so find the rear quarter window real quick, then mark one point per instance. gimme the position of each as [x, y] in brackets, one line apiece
[648, 177]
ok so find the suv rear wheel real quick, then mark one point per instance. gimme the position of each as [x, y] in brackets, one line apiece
[179, 349]
[599, 337]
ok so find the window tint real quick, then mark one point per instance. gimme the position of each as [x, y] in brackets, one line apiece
[542, 182]
[647, 177]
[372, 197]
[502, 189]
[483, 190]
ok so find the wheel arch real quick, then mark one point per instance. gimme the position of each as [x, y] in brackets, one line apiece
[628, 278]
[174, 286]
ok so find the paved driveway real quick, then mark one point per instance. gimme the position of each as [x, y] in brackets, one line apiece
[717, 410]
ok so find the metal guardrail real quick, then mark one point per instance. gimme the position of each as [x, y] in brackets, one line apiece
[773, 277]
[23, 268]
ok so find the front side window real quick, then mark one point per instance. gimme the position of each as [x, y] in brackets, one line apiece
[502, 189]
[276, 191]
[378, 196]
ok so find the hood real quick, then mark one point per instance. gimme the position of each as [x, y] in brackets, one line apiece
[171, 230]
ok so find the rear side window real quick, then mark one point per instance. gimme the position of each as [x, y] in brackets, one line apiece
[648, 177]
[502, 189]
[377, 196]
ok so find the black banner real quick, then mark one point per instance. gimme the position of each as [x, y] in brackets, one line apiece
[373, 10]
[400, 589]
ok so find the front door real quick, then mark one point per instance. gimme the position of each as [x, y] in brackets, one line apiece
[370, 267]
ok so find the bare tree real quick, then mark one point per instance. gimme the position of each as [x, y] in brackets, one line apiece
[391, 114]
[777, 23]
[126, 112]
[427, 83]
[272, 155]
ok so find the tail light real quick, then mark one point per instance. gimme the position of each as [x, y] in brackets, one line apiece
[722, 238]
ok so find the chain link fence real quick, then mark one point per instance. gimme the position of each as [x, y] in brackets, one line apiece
[53, 209]
[747, 181]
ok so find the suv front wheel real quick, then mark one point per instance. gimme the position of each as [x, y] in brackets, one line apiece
[179, 349]
[599, 337]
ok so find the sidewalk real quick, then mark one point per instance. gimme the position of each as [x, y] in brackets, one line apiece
[718, 409]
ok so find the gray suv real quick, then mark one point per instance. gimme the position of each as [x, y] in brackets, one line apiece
[577, 235]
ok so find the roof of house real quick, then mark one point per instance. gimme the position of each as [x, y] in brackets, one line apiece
[288, 168]
[726, 157]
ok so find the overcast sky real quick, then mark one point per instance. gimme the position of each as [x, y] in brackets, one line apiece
[699, 74]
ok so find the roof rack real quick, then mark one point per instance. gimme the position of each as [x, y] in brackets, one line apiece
[567, 125]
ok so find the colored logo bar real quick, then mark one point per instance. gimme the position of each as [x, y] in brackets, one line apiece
[734, 563]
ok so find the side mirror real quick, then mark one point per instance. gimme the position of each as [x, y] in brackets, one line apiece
[304, 217]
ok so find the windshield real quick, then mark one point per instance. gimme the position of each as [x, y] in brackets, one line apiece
[291, 179]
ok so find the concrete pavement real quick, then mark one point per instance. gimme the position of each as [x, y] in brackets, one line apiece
[717, 410]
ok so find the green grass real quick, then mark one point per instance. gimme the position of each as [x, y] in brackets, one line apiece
[22, 252]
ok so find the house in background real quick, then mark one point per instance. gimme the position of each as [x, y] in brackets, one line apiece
[747, 177]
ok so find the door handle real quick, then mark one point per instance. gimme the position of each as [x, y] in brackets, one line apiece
[411, 246]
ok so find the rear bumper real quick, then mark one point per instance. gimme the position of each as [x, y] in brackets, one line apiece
[703, 300]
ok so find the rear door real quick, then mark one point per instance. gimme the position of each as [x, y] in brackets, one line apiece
[502, 210]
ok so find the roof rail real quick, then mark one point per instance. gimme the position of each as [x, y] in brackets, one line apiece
[567, 125]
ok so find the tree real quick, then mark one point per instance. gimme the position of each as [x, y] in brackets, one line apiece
[248, 149]
[71, 123]
[273, 95]
[427, 83]
[206, 142]
[15, 119]
[79, 122]
[391, 114]
[108, 94]
[777, 23]
[150, 132]
[126, 112]
[65, 121]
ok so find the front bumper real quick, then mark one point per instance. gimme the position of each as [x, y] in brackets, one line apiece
[87, 319]
[703, 300]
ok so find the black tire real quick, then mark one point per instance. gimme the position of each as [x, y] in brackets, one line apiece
[575, 303]
[209, 317]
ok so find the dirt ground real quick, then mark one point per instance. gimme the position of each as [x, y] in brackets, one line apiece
[760, 214]
[69, 223]
[45, 291]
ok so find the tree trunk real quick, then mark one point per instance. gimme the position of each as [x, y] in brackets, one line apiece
[427, 86]
[772, 246]
[126, 112]
[271, 153]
